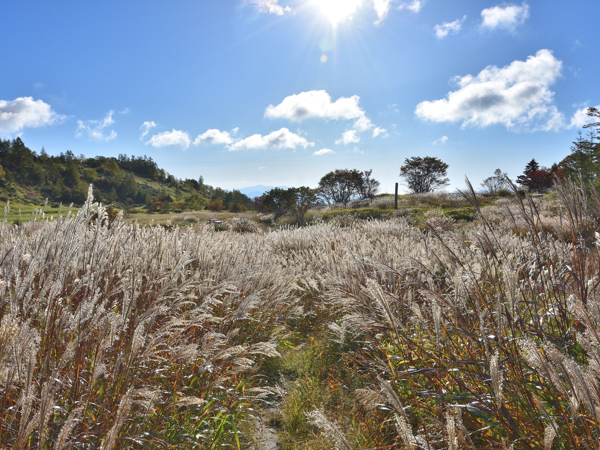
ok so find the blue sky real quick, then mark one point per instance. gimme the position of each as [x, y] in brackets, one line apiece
[279, 92]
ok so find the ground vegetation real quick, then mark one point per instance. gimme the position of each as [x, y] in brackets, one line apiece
[429, 334]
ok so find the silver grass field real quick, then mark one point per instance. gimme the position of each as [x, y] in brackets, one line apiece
[347, 334]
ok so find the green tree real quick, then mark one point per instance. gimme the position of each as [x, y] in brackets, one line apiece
[594, 113]
[195, 202]
[367, 186]
[90, 175]
[422, 175]
[536, 178]
[341, 186]
[71, 174]
[126, 186]
[276, 201]
[110, 166]
[584, 158]
[585, 151]
[293, 201]
[304, 198]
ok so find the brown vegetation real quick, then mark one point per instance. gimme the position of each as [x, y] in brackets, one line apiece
[459, 335]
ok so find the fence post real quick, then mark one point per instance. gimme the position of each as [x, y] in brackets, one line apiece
[396, 198]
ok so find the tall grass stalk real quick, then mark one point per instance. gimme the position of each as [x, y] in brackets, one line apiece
[116, 336]
[479, 335]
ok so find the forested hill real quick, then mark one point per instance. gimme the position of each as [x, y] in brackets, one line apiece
[126, 182]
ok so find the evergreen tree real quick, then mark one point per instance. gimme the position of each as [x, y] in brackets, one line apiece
[584, 158]
[536, 179]
[71, 174]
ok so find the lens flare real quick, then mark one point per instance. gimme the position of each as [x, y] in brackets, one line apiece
[338, 10]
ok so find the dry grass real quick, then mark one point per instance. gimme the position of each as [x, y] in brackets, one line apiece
[187, 218]
[459, 335]
[124, 336]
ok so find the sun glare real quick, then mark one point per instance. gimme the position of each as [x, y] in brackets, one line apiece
[338, 10]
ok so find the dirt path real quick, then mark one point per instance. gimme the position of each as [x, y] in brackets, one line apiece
[266, 434]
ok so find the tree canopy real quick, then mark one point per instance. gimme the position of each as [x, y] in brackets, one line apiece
[584, 159]
[292, 201]
[538, 179]
[343, 185]
[424, 174]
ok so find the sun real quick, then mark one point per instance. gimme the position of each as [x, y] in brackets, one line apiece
[337, 10]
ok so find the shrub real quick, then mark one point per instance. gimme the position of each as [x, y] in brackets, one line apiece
[216, 205]
[177, 206]
[244, 226]
[237, 208]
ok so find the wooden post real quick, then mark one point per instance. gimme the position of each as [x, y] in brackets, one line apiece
[396, 198]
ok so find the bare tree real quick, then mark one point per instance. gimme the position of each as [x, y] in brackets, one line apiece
[496, 182]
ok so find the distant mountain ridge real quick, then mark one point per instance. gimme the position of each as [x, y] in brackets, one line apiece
[258, 190]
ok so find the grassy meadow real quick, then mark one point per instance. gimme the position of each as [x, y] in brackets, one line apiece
[456, 322]
[18, 213]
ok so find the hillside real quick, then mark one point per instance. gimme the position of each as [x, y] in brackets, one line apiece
[27, 177]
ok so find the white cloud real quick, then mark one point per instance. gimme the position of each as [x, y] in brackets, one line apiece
[414, 6]
[262, 168]
[325, 151]
[25, 112]
[215, 137]
[382, 8]
[580, 118]
[282, 138]
[169, 138]
[268, 6]
[517, 96]
[508, 16]
[380, 131]
[318, 104]
[441, 140]
[146, 127]
[97, 129]
[363, 124]
[349, 137]
[443, 30]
